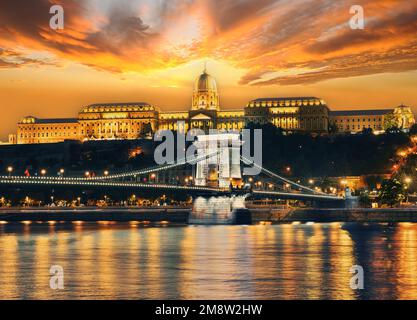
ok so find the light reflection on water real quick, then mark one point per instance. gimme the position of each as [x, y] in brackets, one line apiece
[209, 262]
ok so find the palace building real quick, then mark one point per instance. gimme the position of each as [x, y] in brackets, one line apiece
[134, 120]
[353, 121]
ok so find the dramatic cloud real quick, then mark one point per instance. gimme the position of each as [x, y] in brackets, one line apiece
[276, 42]
[14, 59]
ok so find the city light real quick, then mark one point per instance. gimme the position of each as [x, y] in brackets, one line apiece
[87, 174]
[311, 181]
[106, 172]
[407, 180]
[343, 182]
[43, 172]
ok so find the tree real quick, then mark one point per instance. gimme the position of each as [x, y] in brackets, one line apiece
[390, 121]
[364, 200]
[391, 193]
[333, 128]
[413, 130]
[366, 131]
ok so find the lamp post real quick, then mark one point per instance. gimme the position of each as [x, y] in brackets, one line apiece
[43, 172]
[61, 172]
[10, 170]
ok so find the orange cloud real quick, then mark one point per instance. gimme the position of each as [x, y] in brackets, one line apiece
[276, 42]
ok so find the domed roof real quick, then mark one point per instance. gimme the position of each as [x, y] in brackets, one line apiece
[205, 83]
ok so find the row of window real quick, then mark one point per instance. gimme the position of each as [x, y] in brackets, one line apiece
[359, 127]
[358, 120]
[42, 128]
[47, 134]
[285, 103]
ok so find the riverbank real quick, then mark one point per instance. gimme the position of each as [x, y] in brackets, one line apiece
[181, 215]
[93, 214]
[335, 215]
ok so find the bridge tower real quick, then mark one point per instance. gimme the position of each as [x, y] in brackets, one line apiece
[223, 168]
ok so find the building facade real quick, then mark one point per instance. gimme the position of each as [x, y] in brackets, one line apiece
[353, 121]
[291, 114]
[134, 120]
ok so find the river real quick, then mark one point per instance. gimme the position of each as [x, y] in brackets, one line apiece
[287, 261]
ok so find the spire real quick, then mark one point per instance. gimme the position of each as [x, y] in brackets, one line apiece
[205, 67]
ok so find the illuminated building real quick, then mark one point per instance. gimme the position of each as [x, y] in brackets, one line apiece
[292, 114]
[378, 120]
[134, 120]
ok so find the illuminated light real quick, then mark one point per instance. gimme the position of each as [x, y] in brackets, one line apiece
[106, 172]
[62, 171]
[265, 223]
[104, 223]
[78, 223]
[402, 153]
[52, 223]
[343, 182]
[408, 180]
[164, 222]
[295, 223]
[26, 222]
[311, 181]
[288, 169]
[310, 223]
[3, 222]
[9, 169]
[87, 174]
[43, 172]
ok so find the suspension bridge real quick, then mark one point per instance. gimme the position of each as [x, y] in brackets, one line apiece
[207, 159]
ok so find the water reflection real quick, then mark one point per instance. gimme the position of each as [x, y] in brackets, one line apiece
[215, 210]
[209, 262]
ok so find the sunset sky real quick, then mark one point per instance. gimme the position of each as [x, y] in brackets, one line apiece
[152, 50]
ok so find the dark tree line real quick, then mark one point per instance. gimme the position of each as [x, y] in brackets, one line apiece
[329, 155]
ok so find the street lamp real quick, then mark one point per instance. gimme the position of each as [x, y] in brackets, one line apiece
[106, 172]
[10, 170]
[43, 172]
[311, 181]
[61, 172]
[87, 174]
[407, 180]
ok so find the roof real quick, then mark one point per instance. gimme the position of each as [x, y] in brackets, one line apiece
[370, 112]
[284, 99]
[116, 104]
[57, 120]
[116, 107]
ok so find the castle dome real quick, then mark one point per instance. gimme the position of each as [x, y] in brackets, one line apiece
[205, 95]
[205, 83]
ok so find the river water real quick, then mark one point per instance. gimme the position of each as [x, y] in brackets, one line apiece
[287, 261]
